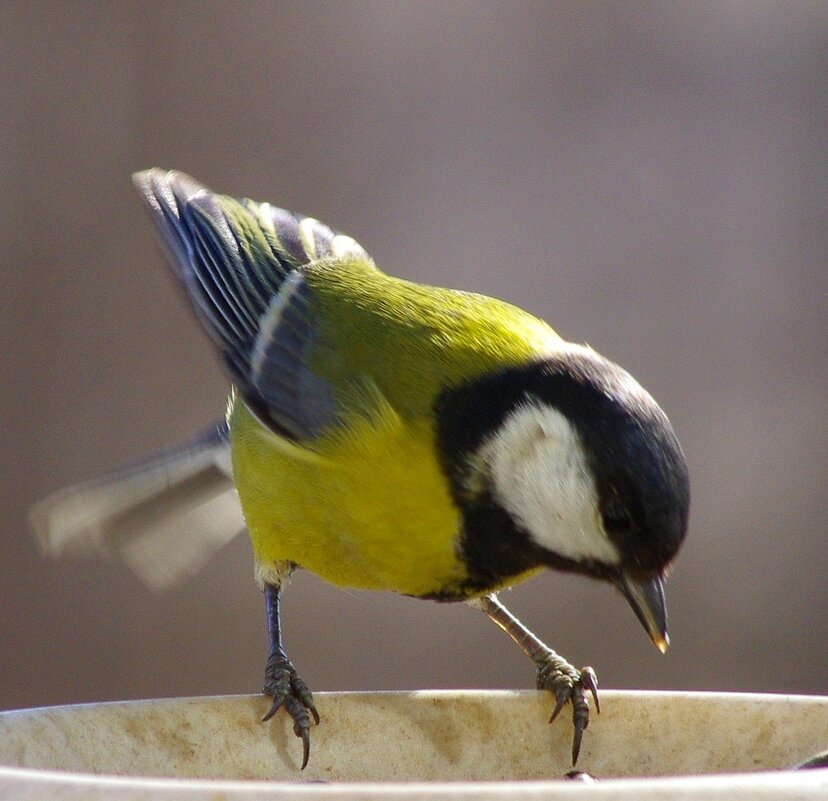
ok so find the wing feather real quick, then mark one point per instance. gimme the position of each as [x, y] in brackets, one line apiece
[241, 264]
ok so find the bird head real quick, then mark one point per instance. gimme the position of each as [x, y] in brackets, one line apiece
[567, 463]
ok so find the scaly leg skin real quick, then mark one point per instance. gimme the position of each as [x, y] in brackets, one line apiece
[282, 683]
[567, 684]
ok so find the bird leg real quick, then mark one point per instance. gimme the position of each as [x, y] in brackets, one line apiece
[567, 683]
[282, 683]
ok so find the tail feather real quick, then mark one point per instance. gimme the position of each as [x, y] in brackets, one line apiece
[164, 517]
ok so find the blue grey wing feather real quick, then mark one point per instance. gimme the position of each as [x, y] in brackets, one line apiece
[294, 397]
[240, 263]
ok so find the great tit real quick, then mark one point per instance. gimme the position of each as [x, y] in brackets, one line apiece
[387, 435]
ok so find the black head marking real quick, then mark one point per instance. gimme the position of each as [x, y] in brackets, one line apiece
[639, 469]
[637, 464]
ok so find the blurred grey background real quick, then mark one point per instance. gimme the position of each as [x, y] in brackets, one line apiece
[649, 177]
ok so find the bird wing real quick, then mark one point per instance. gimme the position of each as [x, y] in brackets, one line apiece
[241, 264]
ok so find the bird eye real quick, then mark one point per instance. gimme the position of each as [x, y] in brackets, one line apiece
[616, 517]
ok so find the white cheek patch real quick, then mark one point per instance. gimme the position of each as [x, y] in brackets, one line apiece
[541, 477]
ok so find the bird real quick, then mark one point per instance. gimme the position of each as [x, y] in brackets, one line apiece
[386, 435]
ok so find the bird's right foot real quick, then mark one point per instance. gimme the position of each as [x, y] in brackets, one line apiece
[288, 690]
[568, 685]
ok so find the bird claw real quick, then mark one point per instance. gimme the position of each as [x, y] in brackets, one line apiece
[569, 685]
[589, 681]
[289, 690]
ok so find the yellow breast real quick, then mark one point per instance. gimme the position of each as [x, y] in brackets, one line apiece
[367, 508]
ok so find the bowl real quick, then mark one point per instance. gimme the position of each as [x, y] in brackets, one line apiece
[418, 745]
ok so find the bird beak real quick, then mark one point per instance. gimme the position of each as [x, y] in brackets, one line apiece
[647, 601]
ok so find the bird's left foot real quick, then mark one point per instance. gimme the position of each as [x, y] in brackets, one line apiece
[288, 690]
[568, 685]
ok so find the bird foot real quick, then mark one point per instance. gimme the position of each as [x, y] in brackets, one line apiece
[288, 690]
[568, 685]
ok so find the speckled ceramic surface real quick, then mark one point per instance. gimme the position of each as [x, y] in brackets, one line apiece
[428, 745]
